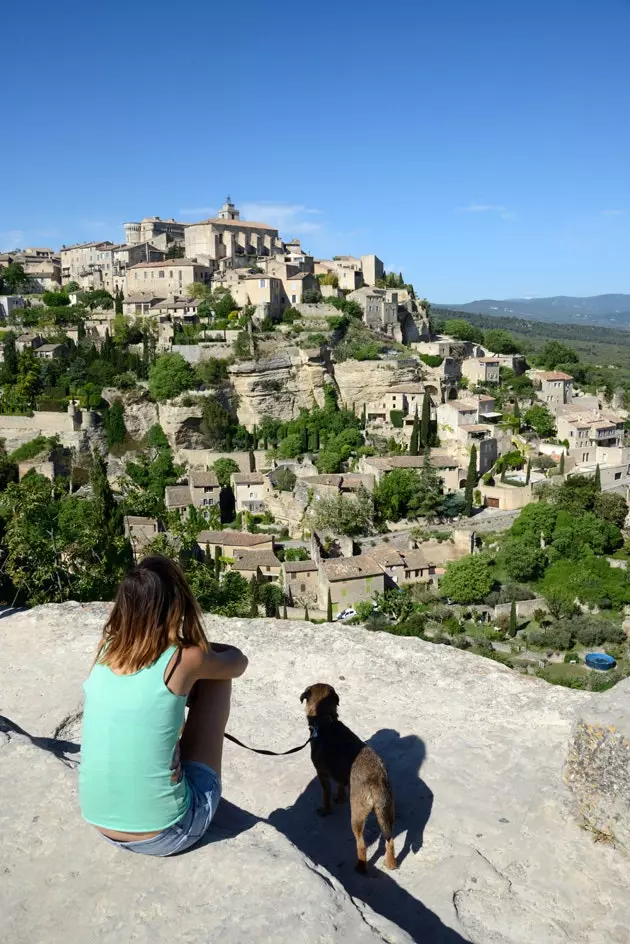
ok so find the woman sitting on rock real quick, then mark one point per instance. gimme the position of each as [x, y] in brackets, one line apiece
[150, 779]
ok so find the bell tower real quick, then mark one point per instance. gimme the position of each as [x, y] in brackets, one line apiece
[228, 211]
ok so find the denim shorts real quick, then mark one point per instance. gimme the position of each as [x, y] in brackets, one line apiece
[205, 793]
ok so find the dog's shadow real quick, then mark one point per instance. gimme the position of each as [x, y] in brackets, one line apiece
[329, 841]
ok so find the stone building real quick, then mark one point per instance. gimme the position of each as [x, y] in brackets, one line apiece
[250, 490]
[301, 581]
[41, 266]
[9, 304]
[202, 491]
[170, 277]
[152, 229]
[555, 387]
[78, 262]
[264, 565]
[481, 370]
[141, 531]
[226, 236]
[349, 580]
[450, 469]
[380, 308]
[233, 543]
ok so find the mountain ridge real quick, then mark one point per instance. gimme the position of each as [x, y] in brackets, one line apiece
[612, 309]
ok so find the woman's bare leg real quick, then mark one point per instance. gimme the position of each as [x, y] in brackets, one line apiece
[208, 715]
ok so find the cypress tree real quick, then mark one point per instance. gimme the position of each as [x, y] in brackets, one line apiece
[217, 562]
[598, 479]
[414, 442]
[529, 472]
[252, 461]
[329, 608]
[562, 464]
[364, 416]
[503, 471]
[425, 424]
[513, 624]
[471, 481]
[306, 616]
[284, 609]
[517, 413]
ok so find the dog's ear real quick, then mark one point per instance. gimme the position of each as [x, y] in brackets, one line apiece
[305, 694]
[334, 694]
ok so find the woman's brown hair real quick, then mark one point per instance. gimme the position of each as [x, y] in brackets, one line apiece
[154, 608]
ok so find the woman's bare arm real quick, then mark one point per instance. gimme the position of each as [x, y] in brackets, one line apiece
[219, 662]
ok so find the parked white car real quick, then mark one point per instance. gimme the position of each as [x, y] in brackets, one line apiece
[346, 614]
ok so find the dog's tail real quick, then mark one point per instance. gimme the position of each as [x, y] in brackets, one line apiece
[385, 813]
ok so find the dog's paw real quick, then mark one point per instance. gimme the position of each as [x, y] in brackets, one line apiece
[391, 864]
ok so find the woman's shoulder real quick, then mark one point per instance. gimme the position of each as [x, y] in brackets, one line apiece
[193, 657]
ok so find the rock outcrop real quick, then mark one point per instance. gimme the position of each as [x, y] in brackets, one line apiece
[141, 413]
[489, 849]
[360, 382]
[278, 387]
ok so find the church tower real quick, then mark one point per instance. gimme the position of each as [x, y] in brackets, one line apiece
[228, 211]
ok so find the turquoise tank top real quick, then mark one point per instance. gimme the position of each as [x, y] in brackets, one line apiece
[130, 778]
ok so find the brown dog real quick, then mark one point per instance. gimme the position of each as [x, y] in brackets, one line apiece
[339, 755]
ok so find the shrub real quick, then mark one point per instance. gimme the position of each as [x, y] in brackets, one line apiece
[431, 360]
[396, 418]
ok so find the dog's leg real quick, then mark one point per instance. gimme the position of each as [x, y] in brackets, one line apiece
[359, 812]
[340, 795]
[326, 808]
[385, 816]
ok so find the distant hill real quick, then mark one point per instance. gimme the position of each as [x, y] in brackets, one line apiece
[611, 310]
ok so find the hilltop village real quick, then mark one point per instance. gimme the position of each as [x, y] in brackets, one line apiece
[307, 436]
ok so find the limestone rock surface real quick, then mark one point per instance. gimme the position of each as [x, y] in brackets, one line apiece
[489, 849]
[277, 387]
[364, 383]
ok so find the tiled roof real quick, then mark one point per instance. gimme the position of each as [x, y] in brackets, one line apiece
[237, 224]
[233, 538]
[168, 264]
[300, 567]
[553, 375]
[350, 568]
[248, 478]
[201, 479]
[177, 496]
[252, 560]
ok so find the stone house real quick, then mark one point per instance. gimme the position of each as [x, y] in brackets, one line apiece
[141, 531]
[28, 341]
[301, 581]
[450, 469]
[423, 564]
[349, 580]
[233, 543]
[346, 268]
[250, 490]
[481, 370]
[331, 484]
[79, 261]
[590, 433]
[49, 352]
[162, 279]
[380, 307]
[201, 491]
[296, 285]
[405, 398]
[264, 565]
[555, 388]
[506, 497]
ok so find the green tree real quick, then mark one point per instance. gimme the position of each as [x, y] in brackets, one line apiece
[111, 546]
[114, 423]
[351, 516]
[561, 466]
[306, 616]
[397, 495]
[513, 627]
[217, 426]
[224, 468]
[10, 359]
[528, 474]
[431, 490]
[118, 301]
[329, 608]
[55, 299]
[13, 278]
[500, 342]
[242, 347]
[253, 596]
[540, 420]
[611, 507]
[285, 479]
[522, 561]
[271, 596]
[554, 353]
[598, 479]
[425, 424]
[468, 580]
[170, 376]
[463, 331]
[414, 442]
[471, 482]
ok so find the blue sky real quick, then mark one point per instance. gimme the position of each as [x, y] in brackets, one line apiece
[483, 148]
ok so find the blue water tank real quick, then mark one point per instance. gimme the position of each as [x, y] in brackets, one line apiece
[599, 660]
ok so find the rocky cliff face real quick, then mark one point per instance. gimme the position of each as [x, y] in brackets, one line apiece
[489, 849]
[140, 413]
[278, 387]
[362, 382]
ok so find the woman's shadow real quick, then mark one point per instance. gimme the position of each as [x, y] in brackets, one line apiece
[329, 842]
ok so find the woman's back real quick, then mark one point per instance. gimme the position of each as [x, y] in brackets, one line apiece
[130, 778]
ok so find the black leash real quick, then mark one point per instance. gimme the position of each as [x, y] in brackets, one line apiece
[258, 750]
